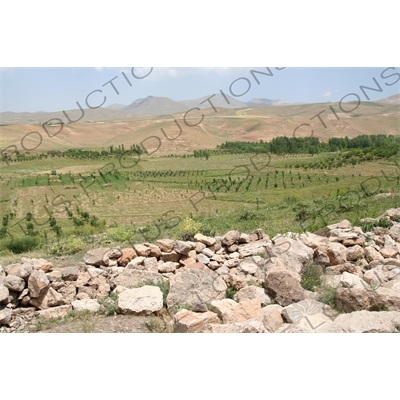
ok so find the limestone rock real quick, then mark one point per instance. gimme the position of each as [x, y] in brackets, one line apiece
[248, 266]
[70, 273]
[283, 285]
[252, 292]
[230, 312]
[38, 283]
[371, 254]
[21, 270]
[131, 278]
[208, 241]
[39, 263]
[90, 305]
[364, 322]
[295, 254]
[272, 317]
[3, 293]
[165, 245]
[350, 280]
[55, 312]
[128, 254]
[143, 300]
[336, 253]
[354, 253]
[14, 283]
[230, 238]
[248, 326]
[190, 286]
[186, 321]
[142, 250]
[95, 256]
[184, 248]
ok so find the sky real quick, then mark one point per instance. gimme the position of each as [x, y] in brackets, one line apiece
[56, 89]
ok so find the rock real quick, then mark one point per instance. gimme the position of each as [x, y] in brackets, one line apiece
[172, 256]
[394, 232]
[230, 238]
[38, 283]
[207, 252]
[3, 293]
[136, 263]
[95, 256]
[388, 253]
[55, 312]
[54, 276]
[68, 293]
[248, 326]
[295, 254]
[283, 285]
[336, 253]
[5, 316]
[70, 273]
[184, 248]
[166, 245]
[90, 305]
[252, 292]
[248, 266]
[154, 250]
[364, 322]
[48, 298]
[203, 259]
[14, 283]
[213, 265]
[186, 321]
[128, 254]
[388, 299]
[230, 312]
[39, 263]
[347, 267]
[354, 299]
[132, 278]
[312, 240]
[200, 247]
[190, 286]
[142, 250]
[208, 241]
[331, 230]
[143, 300]
[244, 238]
[272, 317]
[167, 267]
[371, 254]
[350, 280]
[21, 270]
[354, 253]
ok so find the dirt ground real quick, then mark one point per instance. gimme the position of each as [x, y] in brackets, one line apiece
[111, 324]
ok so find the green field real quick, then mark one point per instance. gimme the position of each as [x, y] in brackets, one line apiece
[129, 200]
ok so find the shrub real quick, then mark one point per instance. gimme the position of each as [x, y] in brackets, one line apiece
[66, 246]
[110, 306]
[311, 278]
[22, 244]
[189, 228]
[119, 233]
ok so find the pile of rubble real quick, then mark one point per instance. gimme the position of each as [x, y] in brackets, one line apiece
[232, 283]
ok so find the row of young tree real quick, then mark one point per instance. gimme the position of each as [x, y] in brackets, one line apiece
[111, 151]
[312, 145]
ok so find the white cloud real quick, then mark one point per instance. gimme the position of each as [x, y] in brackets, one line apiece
[327, 94]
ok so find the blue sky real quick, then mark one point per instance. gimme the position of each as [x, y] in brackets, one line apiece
[55, 89]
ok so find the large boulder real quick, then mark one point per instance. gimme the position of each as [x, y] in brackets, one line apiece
[230, 238]
[128, 254]
[133, 278]
[38, 283]
[230, 312]
[295, 254]
[185, 321]
[252, 292]
[3, 293]
[96, 256]
[248, 326]
[337, 253]
[364, 322]
[143, 300]
[283, 285]
[14, 283]
[91, 305]
[272, 317]
[192, 285]
[21, 270]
